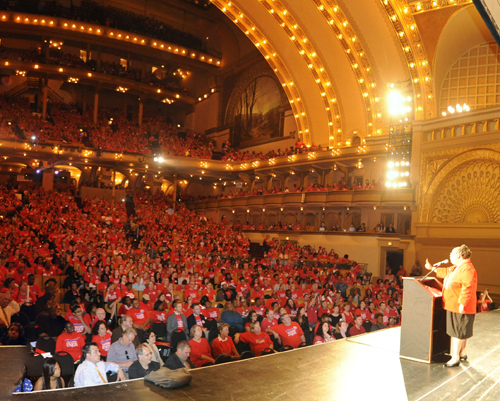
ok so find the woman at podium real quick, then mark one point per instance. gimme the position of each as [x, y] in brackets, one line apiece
[459, 300]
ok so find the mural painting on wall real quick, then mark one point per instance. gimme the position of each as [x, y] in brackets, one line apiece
[257, 117]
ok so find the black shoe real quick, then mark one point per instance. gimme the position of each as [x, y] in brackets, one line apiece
[463, 358]
[446, 365]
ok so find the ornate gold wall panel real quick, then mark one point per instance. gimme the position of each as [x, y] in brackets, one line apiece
[460, 186]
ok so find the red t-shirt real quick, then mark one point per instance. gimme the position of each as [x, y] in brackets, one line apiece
[222, 347]
[265, 324]
[198, 349]
[354, 331]
[258, 343]
[213, 313]
[139, 316]
[71, 343]
[158, 316]
[79, 327]
[103, 343]
[290, 335]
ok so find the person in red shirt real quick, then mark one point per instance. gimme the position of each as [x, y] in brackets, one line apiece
[192, 292]
[257, 292]
[323, 334]
[257, 339]
[158, 314]
[34, 287]
[223, 344]
[80, 326]
[210, 312]
[201, 354]
[459, 301]
[269, 320]
[209, 292]
[151, 291]
[357, 328]
[257, 307]
[70, 341]
[140, 315]
[484, 301]
[289, 332]
[102, 337]
[23, 296]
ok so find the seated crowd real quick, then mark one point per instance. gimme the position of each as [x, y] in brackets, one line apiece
[312, 187]
[114, 131]
[128, 296]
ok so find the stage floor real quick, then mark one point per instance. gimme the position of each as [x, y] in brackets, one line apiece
[364, 367]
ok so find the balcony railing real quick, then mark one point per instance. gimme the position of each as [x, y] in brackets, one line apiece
[386, 197]
[475, 122]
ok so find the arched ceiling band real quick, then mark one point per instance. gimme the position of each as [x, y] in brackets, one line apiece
[358, 59]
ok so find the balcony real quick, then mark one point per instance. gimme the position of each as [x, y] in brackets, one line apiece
[385, 198]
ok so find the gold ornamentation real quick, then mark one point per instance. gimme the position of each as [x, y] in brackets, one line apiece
[357, 56]
[469, 194]
[406, 28]
[465, 188]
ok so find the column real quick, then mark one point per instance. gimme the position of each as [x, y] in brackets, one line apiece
[45, 91]
[96, 105]
[113, 191]
[141, 109]
[174, 193]
[48, 179]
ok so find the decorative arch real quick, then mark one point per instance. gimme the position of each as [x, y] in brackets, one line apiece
[465, 190]
[312, 220]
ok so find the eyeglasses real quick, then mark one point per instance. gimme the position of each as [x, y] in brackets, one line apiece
[126, 354]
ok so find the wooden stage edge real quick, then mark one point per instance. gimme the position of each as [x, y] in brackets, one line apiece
[362, 367]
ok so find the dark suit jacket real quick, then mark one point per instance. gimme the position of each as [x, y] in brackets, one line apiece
[191, 320]
[174, 362]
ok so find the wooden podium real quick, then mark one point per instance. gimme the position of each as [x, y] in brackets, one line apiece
[423, 324]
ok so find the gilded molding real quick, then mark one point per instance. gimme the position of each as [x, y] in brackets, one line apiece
[431, 5]
[357, 57]
[460, 185]
[409, 37]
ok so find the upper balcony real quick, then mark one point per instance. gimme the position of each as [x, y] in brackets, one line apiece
[189, 56]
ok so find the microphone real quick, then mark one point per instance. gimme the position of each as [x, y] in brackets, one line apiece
[434, 268]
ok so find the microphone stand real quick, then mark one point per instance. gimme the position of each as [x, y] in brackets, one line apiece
[427, 275]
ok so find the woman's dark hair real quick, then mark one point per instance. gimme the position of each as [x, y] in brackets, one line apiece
[7, 282]
[95, 328]
[157, 305]
[49, 367]
[319, 330]
[145, 336]
[301, 319]
[251, 312]
[90, 306]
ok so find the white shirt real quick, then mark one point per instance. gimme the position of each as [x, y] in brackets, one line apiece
[6, 313]
[87, 375]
